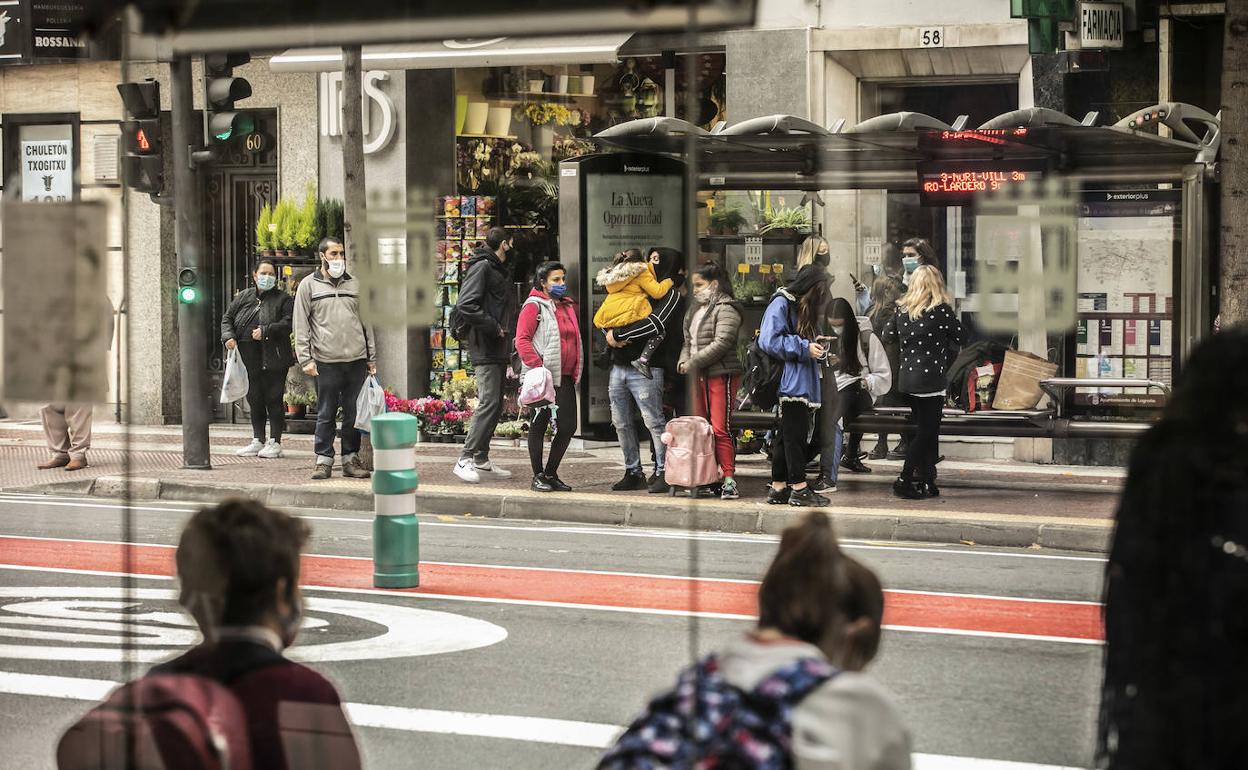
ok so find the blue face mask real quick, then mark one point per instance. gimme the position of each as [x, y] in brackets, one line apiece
[910, 263]
[266, 282]
[558, 290]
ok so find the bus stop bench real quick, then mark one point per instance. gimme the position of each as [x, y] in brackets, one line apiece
[1027, 423]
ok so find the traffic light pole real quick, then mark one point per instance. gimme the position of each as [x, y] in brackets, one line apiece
[192, 316]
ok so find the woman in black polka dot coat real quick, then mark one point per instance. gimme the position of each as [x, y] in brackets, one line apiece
[930, 336]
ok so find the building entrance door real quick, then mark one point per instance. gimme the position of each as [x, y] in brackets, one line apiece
[235, 189]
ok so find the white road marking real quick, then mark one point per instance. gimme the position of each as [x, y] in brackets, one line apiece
[562, 732]
[409, 631]
[712, 537]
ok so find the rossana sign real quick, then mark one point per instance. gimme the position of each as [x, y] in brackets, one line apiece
[1101, 25]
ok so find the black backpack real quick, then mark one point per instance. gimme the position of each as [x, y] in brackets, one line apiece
[760, 385]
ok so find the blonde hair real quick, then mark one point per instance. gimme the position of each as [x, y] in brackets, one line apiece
[810, 247]
[927, 291]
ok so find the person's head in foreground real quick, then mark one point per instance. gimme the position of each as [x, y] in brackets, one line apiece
[814, 593]
[238, 567]
[1175, 692]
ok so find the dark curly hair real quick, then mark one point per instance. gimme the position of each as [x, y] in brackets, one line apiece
[249, 546]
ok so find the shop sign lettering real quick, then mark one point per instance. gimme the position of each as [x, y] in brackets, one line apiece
[377, 136]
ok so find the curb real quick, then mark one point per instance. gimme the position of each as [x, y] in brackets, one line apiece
[1090, 535]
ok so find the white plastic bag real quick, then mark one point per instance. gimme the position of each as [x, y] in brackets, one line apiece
[370, 403]
[235, 384]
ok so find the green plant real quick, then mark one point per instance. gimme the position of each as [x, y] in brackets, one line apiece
[727, 217]
[510, 429]
[335, 219]
[305, 229]
[541, 113]
[459, 391]
[746, 288]
[784, 218]
[264, 236]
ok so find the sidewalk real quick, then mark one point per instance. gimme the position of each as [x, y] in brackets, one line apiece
[991, 502]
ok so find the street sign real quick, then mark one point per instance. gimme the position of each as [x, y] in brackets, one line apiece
[1101, 25]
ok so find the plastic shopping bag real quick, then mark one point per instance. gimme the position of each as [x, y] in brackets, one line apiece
[370, 403]
[235, 384]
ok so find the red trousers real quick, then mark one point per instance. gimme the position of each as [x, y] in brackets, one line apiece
[713, 400]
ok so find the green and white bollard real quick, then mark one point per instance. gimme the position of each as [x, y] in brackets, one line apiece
[396, 530]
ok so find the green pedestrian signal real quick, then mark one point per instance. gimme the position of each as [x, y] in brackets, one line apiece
[187, 295]
[188, 289]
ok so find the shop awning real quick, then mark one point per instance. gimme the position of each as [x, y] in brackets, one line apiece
[465, 52]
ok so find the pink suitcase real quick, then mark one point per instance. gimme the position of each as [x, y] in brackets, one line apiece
[690, 453]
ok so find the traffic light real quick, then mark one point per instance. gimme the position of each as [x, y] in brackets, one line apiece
[188, 286]
[142, 165]
[221, 90]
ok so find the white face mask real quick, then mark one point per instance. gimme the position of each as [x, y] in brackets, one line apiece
[336, 267]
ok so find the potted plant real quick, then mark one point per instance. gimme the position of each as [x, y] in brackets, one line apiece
[727, 220]
[511, 429]
[288, 228]
[749, 289]
[305, 224]
[264, 231]
[784, 222]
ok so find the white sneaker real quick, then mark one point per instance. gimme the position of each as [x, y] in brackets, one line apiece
[492, 471]
[466, 472]
[271, 451]
[252, 449]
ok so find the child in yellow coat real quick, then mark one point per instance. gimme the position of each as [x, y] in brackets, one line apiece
[629, 281]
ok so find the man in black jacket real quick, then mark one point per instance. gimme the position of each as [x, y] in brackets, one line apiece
[630, 392]
[482, 321]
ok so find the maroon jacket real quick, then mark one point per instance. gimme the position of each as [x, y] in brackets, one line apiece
[294, 715]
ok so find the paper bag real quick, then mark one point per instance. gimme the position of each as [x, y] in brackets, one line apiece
[1019, 385]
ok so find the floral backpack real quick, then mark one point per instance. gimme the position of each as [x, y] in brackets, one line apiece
[707, 724]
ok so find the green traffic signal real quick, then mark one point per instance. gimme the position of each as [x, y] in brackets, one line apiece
[188, 295]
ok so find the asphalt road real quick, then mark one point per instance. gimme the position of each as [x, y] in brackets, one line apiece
[532, 642]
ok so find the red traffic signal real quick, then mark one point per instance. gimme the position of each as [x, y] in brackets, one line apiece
[141, 137]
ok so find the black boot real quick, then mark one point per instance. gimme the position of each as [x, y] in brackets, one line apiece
[778, 496]
[541, 484]
[907, 490]
[929, 488]
[632, 480]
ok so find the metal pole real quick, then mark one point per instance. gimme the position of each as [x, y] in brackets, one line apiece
[192, 316]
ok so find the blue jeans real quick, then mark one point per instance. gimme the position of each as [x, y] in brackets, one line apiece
[629, 392]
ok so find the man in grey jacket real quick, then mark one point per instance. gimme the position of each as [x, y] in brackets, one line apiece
[333, 345]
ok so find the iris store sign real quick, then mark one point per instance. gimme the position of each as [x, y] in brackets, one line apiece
[378, 128]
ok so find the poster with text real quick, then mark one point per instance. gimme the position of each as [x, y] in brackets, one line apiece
[624, 211]
[47, 170]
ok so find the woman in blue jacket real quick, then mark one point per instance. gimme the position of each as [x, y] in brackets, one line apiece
[789, 333]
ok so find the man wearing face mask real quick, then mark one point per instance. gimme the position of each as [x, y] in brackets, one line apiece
[483, 319]
[238, 569]
[258, 324]
[333, 345]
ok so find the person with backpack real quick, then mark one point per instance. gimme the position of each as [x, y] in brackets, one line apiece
[789, 334]
[861, 375]
[930, 336]
[480, 321]
[792, 693]
[710, 354]
[885, 291]
[548, 336]
[236, 693]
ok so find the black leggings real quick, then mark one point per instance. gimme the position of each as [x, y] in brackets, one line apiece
[265, 393]
[565, 424]
[788, 453]
[924, 446]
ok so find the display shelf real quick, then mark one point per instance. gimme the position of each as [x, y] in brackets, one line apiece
[798, 238]
[559, 94]
[509, 138]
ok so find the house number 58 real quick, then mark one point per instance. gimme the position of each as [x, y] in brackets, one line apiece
[932, 37]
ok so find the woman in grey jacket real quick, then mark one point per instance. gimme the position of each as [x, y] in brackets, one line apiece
[710, 353]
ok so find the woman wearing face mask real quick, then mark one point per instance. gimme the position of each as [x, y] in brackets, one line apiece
[548, 335]
[710, 354]
[258, 324]
[917, 252]
[885, 292]
[814, 251]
